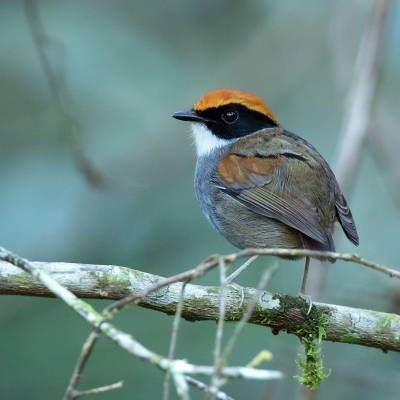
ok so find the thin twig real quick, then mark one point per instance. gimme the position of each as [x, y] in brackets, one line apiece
[174, 337]
[98, 390]
[238, 271]
[263, 355]
[218, 362]
[202, 386]
[212, 262]
[72, 389]
[325, 255]
[265, 278]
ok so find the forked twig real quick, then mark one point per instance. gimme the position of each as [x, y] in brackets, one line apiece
[72, 389]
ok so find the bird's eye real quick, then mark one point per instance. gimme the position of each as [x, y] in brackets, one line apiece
[230, 116]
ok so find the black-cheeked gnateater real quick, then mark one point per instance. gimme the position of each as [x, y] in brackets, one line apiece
[259, 185]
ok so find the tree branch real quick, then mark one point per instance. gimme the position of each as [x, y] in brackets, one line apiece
[279, 311]
[178, 368]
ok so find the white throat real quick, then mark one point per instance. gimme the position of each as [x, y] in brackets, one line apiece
[205, 140]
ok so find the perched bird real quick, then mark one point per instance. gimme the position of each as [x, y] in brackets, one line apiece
[259, 185]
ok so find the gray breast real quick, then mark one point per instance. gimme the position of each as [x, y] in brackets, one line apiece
[240, 226]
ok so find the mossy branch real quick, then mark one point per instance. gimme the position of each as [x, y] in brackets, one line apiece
[280, 312]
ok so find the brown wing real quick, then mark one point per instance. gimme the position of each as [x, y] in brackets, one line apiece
[343, 212]
[268, 185]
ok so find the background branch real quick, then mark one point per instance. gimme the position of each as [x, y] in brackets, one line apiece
[56, 84]
[358, 110]
[362, 95]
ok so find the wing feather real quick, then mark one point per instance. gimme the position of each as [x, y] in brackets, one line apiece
[345, 218]
[258, 184]
[290, 211]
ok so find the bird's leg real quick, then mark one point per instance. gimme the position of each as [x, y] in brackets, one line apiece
[305, 275]
[229, 279]
[304, 283]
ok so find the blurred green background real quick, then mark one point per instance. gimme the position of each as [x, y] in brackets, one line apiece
[125, 67]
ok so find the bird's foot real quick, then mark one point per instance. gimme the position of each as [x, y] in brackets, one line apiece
[308, 300]
[239, 289]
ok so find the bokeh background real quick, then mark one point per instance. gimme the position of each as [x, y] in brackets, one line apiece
[123, 67]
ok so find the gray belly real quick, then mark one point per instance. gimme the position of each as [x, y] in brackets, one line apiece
[244, 228]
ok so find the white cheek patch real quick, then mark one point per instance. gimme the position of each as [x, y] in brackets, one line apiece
[205, 140]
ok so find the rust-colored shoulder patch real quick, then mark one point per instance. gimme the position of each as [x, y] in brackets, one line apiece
[221, 97]
[234, 169]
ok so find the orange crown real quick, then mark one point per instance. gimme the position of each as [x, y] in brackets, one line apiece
[222, 97]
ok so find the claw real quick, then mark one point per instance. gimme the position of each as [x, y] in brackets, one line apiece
[307, 298]
[239, 289]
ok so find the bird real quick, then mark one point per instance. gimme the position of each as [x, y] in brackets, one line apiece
[259, 185]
